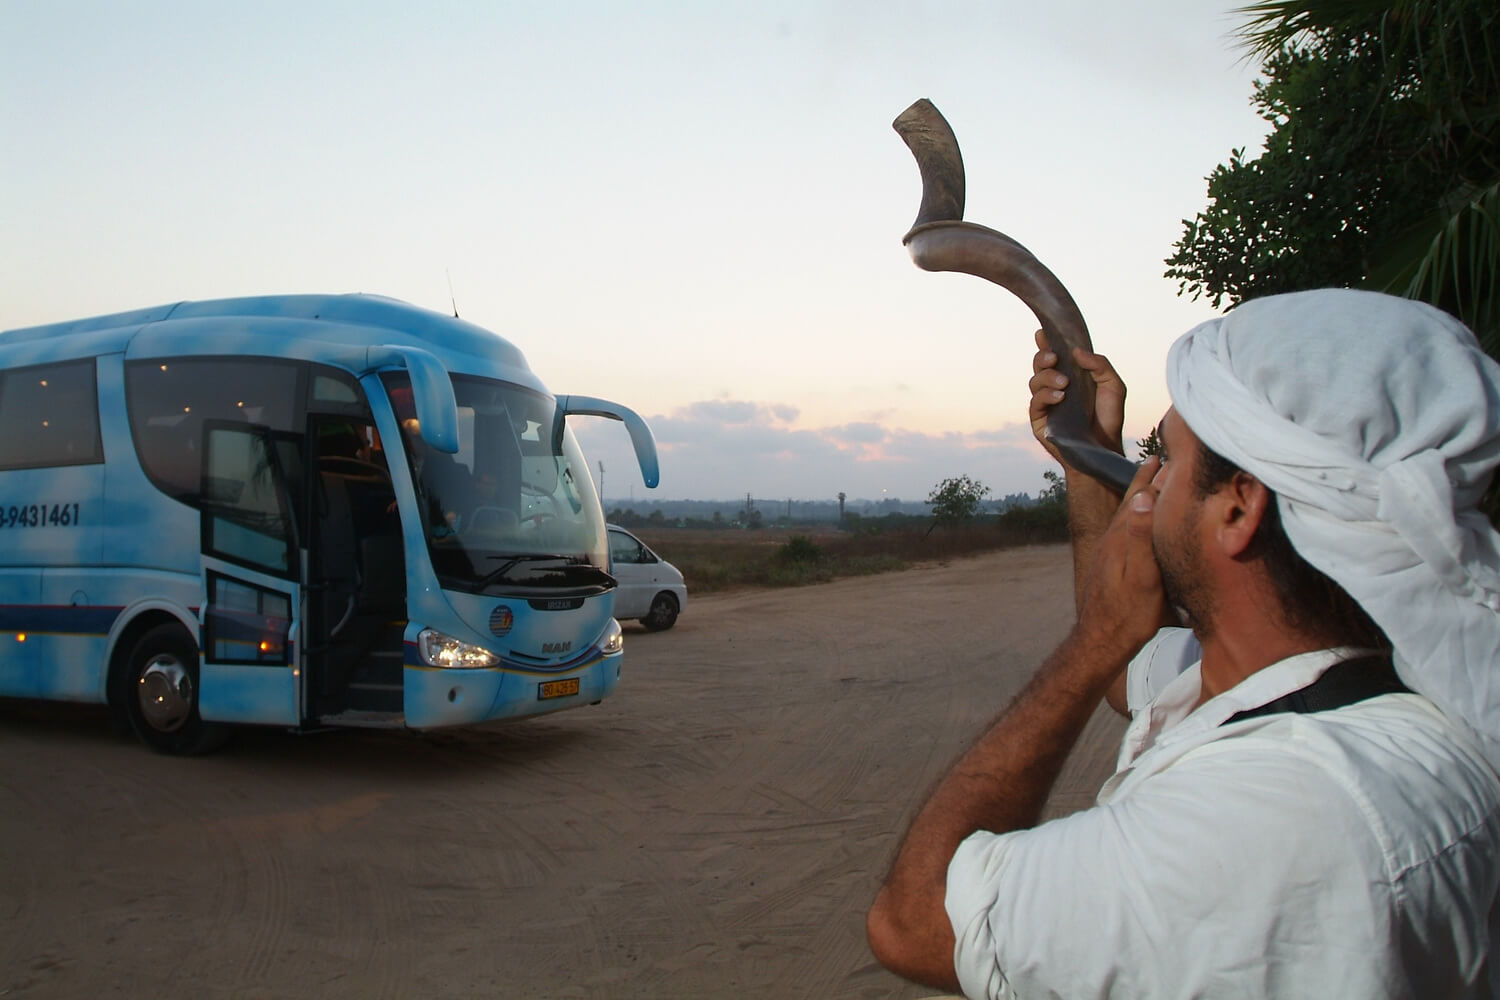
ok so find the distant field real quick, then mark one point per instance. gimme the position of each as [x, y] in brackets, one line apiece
[723, 559]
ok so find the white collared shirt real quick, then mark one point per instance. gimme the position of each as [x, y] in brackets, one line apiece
[1346, 853]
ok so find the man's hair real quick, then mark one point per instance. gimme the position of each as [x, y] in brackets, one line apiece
[1310, 601]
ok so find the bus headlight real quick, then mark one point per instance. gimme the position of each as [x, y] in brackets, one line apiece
[441, 650]
[614, 639]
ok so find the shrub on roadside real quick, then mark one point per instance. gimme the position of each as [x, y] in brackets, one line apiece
[800, 549]
[722, 560]
[1038, 524]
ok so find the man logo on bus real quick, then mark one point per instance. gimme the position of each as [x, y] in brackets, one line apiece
[501, 619]
[556, 647]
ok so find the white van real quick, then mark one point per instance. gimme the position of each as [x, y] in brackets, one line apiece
[650, 588]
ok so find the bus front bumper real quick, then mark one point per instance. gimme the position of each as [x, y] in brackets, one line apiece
[447, 696]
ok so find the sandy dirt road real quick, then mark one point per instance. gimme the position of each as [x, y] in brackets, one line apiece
[715, 829]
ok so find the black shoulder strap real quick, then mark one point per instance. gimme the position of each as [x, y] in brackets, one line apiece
[1341, 684]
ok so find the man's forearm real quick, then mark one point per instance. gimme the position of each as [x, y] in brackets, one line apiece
[1000, 784]
[1091, 504]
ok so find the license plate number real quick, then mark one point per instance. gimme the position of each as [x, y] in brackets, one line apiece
[556, 689]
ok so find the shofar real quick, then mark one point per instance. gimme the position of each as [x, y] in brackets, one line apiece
[941, 241]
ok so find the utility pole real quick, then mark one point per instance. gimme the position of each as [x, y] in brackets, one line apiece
[841, 509]
[601, 482]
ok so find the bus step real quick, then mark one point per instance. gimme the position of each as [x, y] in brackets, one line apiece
[365, 720]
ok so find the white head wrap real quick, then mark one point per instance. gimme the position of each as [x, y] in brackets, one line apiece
[1376, 420]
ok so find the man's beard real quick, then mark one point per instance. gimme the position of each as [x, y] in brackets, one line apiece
[1183, 585]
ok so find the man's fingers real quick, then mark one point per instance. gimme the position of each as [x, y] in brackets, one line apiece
[1046, 392]
[1140, 505]
[1046, 385]
[1144, 473]
[1140, 499]
[1048, 381]
[1096, 365]
[1044, 357]
[1124, 596]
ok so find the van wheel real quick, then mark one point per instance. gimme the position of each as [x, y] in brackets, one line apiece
[159, 694]
[663, 613]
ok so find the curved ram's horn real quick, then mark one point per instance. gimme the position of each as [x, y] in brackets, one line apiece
[941, 241]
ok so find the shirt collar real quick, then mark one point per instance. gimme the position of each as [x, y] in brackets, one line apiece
[1175, 717]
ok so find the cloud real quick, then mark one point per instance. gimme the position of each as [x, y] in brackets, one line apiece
[859, 433]
[731, 412]
[723, 449]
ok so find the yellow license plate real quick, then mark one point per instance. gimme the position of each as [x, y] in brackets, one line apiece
[556, 689]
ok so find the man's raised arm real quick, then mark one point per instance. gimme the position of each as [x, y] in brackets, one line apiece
[1091, 503]
[1002, 782]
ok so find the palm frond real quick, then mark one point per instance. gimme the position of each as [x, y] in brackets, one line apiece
[1450, 44]
[1459, 268]
[1273, 25]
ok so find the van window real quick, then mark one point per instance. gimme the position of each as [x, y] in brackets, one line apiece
[169, 399]
[50, 416]
[625, 548]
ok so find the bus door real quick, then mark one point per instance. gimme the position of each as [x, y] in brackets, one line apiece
[355, 584]
[251, 616]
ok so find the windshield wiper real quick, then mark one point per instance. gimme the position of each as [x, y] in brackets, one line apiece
[511, 562]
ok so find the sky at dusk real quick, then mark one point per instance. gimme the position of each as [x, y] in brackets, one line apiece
[693, 209]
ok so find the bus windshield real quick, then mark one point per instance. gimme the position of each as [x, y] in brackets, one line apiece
[514, 511]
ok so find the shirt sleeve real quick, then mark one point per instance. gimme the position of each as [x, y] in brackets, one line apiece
[1233, 876]
[1170, 652]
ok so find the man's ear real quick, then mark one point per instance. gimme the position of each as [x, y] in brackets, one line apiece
[1243, 503]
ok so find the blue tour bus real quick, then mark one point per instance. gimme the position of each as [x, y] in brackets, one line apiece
[301, 511]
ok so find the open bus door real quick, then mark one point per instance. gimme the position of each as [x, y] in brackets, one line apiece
[251, 617]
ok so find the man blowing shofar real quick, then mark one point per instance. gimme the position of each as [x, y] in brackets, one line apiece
[1306, 801]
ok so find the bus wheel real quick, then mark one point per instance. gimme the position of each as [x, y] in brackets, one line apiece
[160, 694]
[663, 613]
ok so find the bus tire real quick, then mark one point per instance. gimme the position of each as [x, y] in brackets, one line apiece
[159, 694]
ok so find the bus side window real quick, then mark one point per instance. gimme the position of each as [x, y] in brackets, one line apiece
[167, 451]
[336, 388]
[247, 518]
[170, 398]
[51, 416]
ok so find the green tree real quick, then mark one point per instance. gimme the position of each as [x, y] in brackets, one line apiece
[956, 500]
[1148, 445]
[1382, 169]
[1056, 491]
[1045, 519]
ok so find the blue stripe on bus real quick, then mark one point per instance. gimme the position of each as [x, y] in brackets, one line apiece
[58, 618]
